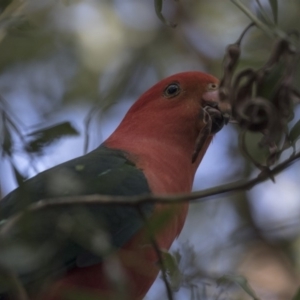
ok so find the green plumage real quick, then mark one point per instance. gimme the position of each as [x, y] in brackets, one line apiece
[58, 238]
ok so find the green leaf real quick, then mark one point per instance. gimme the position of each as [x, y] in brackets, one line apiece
[171, 263]
[21, 27]
[46, 136]
[263, 17]
[265, 88]
[7, 139]
[159, 222]
[158, 4]
[294, 134]
[274, 6]
[4, 4]
[297, 295]
[240, 281]
[19, 177]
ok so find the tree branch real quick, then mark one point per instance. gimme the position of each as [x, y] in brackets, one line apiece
[159, 255]
[140, 199]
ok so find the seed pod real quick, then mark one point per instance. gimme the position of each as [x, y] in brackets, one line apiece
[283, 101]
[243, 85]
[256, 114]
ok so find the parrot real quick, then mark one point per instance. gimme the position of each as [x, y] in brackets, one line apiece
[108, 250]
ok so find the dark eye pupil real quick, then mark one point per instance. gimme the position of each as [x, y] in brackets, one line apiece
[172, 90]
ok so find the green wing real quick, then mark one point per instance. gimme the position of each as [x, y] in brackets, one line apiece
[58, 238]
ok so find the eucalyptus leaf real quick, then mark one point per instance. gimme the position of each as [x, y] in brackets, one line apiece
[4, 4]
[297, 295]
[6, 139]
[295, 132]
[171, 263]
[19, 177]
[46, 136]
[22, 27]
[274, 6]
[240, 281]
[158, 4]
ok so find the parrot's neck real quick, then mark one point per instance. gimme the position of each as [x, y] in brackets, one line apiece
[163, 149]
[166, 160]
[164, 153]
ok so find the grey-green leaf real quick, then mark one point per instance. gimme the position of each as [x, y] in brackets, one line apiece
[297, 295]
[18, 176]
[158, 4]
[46, 136]
[295, 133]
[7, 142]
[171, 263]
[274, 6]
[4, 4]
[240, 281]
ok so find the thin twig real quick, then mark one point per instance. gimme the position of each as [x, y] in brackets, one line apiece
[21, 137]
[258, 23]
[263, 12]
[158, 253]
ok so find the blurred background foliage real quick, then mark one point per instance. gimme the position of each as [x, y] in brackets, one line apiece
[69, 69]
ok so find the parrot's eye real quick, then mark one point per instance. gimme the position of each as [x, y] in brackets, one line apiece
[172, 90]
[212, 86]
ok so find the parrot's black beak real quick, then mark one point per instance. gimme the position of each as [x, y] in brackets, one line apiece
[217, 118]
[219, 112]
[212, 118]
[213, 121]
